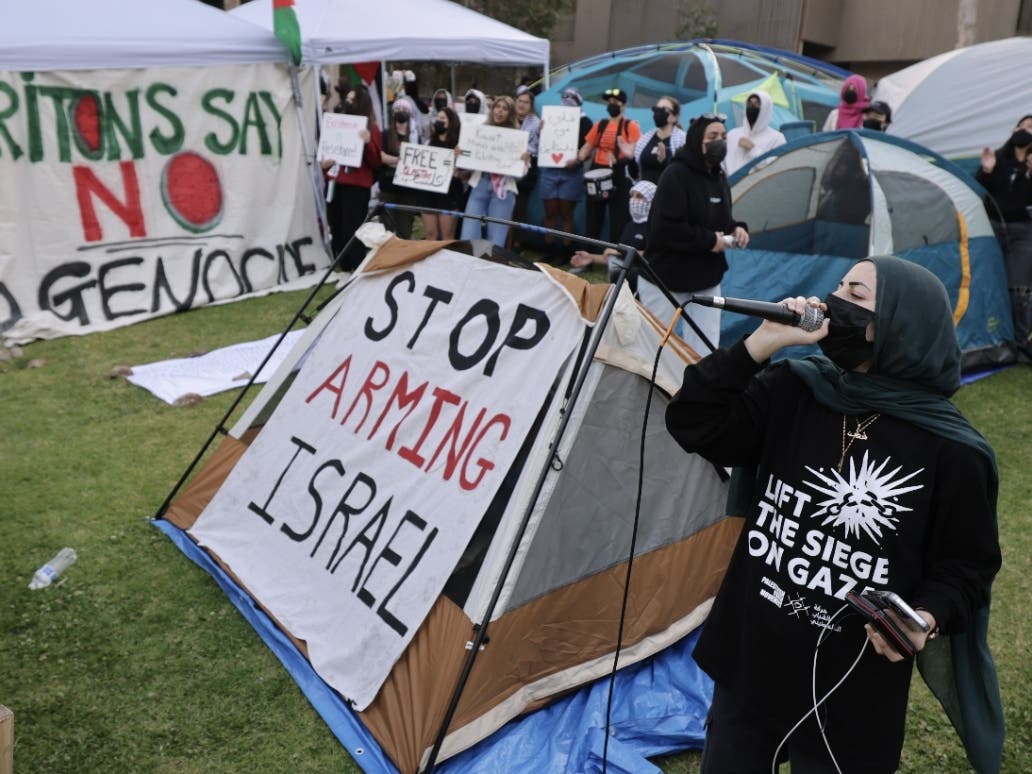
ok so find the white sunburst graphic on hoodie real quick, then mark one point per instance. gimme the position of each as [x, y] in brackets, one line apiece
[867, 500]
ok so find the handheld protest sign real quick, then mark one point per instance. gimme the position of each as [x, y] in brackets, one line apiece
[560, 126]
[340, 140]
[424, 167]
[467, 121]
[494, 149]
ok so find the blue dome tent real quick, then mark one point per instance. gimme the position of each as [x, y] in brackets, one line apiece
[705, 75]
[817, 204]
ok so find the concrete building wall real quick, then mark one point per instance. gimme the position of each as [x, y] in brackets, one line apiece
[873, 37]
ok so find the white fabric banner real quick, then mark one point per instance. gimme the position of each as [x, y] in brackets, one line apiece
[129, 194]
[350, 510]
[560, 127]
[213, 372]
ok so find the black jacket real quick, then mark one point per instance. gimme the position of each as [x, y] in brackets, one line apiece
[691, 204]
[1009, 185]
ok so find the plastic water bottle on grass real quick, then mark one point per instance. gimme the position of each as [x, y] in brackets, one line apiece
[50, 571]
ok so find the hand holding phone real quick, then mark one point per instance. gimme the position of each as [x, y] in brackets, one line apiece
[875, 613]
[891, 599]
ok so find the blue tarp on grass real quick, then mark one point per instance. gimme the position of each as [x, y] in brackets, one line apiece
[659, 706]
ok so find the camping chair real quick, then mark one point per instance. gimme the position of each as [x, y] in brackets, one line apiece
[793, 129]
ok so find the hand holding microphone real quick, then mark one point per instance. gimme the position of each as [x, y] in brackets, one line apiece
[794, 321]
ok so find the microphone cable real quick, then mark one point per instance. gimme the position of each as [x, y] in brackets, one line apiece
[813, 695]
[634, 536]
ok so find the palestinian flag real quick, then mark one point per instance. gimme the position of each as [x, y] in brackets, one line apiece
[284, 24]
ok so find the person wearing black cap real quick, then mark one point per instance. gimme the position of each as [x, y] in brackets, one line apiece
[610, 144]
[877, 116]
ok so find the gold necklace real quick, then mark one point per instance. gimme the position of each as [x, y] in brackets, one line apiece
[858, 434]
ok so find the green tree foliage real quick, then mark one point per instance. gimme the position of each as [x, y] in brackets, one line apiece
[537, 17]
[695, 20]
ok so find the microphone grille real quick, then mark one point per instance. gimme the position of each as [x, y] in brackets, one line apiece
[811, 319]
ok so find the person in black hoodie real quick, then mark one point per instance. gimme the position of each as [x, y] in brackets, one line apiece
[1006, 174]
[690, 216]
[854, 471]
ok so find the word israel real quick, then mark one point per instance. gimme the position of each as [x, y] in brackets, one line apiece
[826, 563]
[377, 546]
[93, 125]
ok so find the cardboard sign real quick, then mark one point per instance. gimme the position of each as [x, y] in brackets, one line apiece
[467, 121]
[424, 167]
[340, 140]
[494, 149]
[350, 510]
[560, 127]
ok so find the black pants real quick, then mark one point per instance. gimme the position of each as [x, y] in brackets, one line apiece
[615, 204]
[1016, 241]
[346, 213]
[740, 741]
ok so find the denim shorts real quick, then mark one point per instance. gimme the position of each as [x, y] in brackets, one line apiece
[557, 183]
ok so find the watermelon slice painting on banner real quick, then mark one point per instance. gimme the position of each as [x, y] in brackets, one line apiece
[347, 514]
[143, 192]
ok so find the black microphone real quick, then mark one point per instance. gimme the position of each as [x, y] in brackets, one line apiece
[809, 320]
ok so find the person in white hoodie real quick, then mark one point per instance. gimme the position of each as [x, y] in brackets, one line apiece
[755, 137]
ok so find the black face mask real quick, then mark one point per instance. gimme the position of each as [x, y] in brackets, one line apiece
[1021, 138]
[440, 127]
[874, 124]
[473, 105]
[715, 151]
[440, 103]
[660, 115]
[752, 112]
[613, 109]
[846, 344]
[849, 97]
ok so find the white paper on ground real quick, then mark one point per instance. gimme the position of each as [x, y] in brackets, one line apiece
[214, 372]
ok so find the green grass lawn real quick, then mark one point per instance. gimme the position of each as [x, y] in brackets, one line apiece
[136, 661]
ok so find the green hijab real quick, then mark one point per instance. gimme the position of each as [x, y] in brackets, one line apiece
[916, 368]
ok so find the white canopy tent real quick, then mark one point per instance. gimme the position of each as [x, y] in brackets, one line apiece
[69, 35]
[958, 102]
[334, 31]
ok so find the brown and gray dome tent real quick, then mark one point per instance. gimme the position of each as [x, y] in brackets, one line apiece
[526, 603]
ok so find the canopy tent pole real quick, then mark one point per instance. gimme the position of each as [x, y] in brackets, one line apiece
[314, 174]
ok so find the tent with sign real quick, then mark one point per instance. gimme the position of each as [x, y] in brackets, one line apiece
[159, 161]
[986, 79]
[818, 203]
[434, 500]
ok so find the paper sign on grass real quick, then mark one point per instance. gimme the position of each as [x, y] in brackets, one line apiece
[349, 511]
[340, 140]
[560, 127]
[494, 149]
[425, 167]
